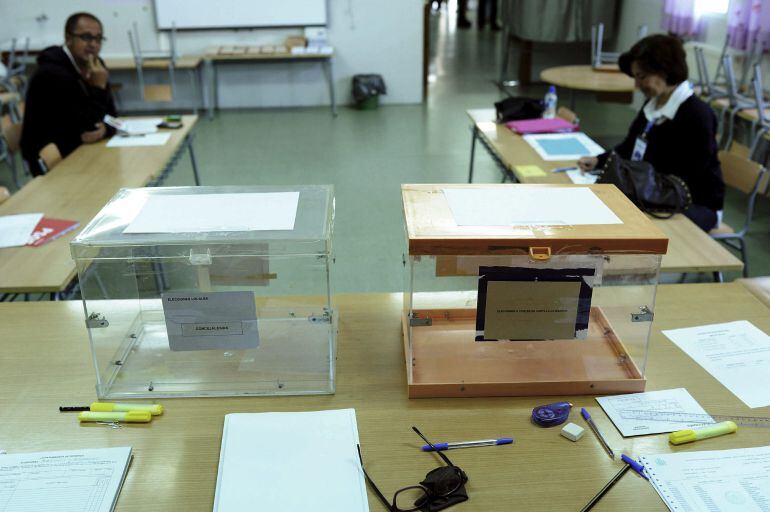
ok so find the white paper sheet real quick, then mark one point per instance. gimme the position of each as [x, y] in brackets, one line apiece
[581, 178]
[151, 139]
[134, 126]
[669, 400]
[15, 230]
[197, 213]
[737, 354]
[719, 481]
[291, 461]
[527, 207]
[563, 146]
[64, 481]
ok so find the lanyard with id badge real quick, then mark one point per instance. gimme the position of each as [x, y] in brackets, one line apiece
[640, 146]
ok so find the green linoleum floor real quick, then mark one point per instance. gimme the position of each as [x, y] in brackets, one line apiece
[367, 155]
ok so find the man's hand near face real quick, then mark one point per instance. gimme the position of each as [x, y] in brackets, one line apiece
[96, 74]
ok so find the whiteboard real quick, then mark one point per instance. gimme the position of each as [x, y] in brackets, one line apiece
[190, 14]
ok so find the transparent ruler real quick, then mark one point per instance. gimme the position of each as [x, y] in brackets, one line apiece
[686, 417]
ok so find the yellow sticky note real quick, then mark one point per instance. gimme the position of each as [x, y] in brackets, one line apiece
[528, 171]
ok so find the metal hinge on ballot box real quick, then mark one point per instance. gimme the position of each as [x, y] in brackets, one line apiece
[420, 322]
[645, 316]
[325, 318]
[96, 321]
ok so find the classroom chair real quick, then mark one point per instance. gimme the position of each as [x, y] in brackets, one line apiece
[567, 115]
[749, 178]
[759, 286]
[760, 117]
[154, 92]
[49, 157]
[732, 104]
[709, 90]
[10, 138]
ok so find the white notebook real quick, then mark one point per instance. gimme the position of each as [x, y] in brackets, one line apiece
[286, 461]
[66, 481]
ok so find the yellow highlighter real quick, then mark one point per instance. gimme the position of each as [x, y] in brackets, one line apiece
[154, 409]
[688, 436]
[123, 417]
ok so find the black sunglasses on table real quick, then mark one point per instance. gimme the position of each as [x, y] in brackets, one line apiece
[441, 488]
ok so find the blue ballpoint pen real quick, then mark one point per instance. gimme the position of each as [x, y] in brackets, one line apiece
[564, 169]
[468, 444]
[599, 435]
[634, 465]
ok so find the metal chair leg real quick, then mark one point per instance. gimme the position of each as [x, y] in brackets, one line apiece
[474, 135]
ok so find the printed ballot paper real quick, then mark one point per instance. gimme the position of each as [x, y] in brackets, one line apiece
[623, 409]
[737, 354]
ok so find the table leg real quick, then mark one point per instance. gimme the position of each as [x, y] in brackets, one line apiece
[210, 79]
[196, 90]
[189, 142]
[329, 72]
[474, 136]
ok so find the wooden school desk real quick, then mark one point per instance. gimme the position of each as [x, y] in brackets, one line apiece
[215, 57]
[690, 249]
[609, 86]
[47, 363]
[76, 189]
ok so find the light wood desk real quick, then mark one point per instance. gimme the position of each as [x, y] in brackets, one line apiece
[47, 363]
[607, 85]
[690, 249]
[77, 189]
[214, 57]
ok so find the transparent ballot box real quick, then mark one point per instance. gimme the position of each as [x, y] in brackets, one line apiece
[210, 291]
[517, 290]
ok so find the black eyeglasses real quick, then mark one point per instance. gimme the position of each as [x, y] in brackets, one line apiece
[89, 38]
[441, 488]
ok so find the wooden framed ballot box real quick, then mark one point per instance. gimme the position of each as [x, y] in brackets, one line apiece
[210, 291]
[515, 290]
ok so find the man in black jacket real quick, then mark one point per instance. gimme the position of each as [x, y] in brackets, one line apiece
[69, 94]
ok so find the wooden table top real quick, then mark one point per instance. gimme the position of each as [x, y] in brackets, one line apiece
[47, 363]
[690, 249]
[585, 78]
[77, 189]
[125, 63]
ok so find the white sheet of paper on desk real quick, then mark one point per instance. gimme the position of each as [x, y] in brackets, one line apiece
[15, 230]
[720, 480]
[150, 139]
[198, 213]
[291, 461]
[668, 400]
[527, 207]
[64, 481]
[581, 178]
[737, 354]
[563, 146]
[141, 126]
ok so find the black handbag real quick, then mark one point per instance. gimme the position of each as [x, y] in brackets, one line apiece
[660, 195]
[516, 108]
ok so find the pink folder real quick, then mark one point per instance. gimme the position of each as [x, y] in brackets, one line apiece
[557, 124]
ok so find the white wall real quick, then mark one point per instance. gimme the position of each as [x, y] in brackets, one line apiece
[369, 36]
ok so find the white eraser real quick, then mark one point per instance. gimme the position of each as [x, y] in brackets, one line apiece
[572, 432]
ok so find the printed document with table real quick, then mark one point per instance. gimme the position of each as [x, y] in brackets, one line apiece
[563, 146]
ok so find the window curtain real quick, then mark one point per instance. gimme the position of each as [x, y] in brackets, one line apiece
[747, 22]
[679, 18]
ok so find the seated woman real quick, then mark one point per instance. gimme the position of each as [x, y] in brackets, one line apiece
[675, 130]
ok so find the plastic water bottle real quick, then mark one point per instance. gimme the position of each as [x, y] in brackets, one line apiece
[550, 103]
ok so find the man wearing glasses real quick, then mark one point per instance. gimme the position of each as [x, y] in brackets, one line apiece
[69, 94]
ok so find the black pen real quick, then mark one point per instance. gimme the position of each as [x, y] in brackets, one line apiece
[606, 488]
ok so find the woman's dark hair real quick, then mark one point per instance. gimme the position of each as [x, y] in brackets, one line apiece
[658, 54]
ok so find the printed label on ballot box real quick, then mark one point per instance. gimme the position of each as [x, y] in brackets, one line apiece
[211, 321]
